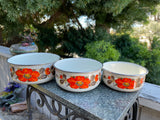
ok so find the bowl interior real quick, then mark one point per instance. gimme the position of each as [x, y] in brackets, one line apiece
[33, 59]
[78, 65]
[124, 68]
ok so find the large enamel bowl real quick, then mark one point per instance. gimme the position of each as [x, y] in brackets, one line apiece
[124, 76]
[32, 68]
[78, 74]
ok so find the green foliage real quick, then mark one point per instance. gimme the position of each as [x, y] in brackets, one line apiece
[73, 40]
[69, 40]
[47, 39]
[102, 51]
[153, 66]
[153, 63]
[131, 49]
[119, 14]
[155, 43]
[126, 48]
[65, 41]
[22, 8]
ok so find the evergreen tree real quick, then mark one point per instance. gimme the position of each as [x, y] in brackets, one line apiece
[119, 14]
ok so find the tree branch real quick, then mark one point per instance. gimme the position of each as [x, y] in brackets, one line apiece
[76, 19]
[55, 16]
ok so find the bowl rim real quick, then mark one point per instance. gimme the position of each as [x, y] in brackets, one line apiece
[79, 59]
[135, 75]
[58, 57]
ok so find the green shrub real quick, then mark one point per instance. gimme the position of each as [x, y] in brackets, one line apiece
[102, 51]
[153, 65]
[131, 49]
[155, 43]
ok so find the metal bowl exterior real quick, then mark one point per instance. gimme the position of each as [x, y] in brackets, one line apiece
[32, 74]
[77, 82]
[122, 82]
[32, 68]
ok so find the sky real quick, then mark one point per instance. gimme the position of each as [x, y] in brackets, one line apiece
[84, 21]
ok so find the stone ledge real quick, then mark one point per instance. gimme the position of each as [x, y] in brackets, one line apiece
[4, 51]
[150, 96]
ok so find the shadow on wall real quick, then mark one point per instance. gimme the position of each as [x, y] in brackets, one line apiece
[5, 77]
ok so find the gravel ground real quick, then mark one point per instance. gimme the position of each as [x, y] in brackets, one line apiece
[36, 115]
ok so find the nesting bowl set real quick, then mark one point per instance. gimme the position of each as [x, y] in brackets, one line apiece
[76, 74]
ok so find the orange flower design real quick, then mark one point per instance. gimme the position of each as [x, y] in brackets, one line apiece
[96, 78]
[11, 69]
[27, 74]
[125, 83]
[61, 76]
[141, 81]
[47, 71]
[78, 82]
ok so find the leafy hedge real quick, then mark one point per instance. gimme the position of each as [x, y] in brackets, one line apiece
[102, 51]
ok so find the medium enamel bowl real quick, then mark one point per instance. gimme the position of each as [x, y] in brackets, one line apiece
[124, 76]
[78, 74]
[32, 68]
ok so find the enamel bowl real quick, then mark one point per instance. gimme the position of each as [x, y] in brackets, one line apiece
[124, 76]
[32, 68]
[78, 74]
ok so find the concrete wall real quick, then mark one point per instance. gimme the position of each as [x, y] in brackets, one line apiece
[149, 101]
[148, 114]
[5, 76]
[4, 67]
[4, 73]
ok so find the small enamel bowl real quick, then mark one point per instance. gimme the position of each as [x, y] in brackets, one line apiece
[124, 76]
[78, 74]
[32, 68]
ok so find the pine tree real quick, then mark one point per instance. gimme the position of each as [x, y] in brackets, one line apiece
[118, 14]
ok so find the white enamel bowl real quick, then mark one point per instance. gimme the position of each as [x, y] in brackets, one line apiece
[124, 76]
[32, 68]
[78, 74]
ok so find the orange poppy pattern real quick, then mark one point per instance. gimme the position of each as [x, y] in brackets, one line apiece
[11, 69]
[61, 76]
[27, 74]
[96, 78]
[125, 83]
[141, 81]
[78, 82]
[47, 71]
